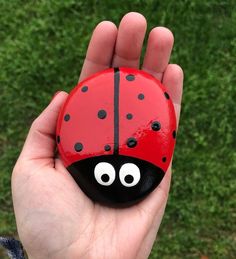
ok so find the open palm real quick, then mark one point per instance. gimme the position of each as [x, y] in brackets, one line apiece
[55, 219]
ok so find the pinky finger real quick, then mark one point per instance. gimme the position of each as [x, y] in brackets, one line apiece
[173, 81]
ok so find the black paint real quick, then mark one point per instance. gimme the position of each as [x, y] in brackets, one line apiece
[105, 178]
[156, 126]
[84, 88]
[141, 96]
[129, 178]
[78, 147]
[174, 134]
[116, 109]
[67, 117]
[116, 194]
[166, 95]
[164, 159]
[131, 142]
[129, 116]
[102, 114]
[107, 148]
[130, 77]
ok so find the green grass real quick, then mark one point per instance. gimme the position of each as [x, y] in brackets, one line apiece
[42, 47]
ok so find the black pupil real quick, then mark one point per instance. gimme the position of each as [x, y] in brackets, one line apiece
[129, 178]
[105, 178]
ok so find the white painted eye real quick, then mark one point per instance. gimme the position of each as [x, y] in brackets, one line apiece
[129, 174]
[104, 173]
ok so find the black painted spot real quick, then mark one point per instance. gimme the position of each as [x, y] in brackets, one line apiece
[174, 134]
[58, 139]
[67, 117]
[102, 114]
[105, 178]
[166, 95]
[78, 147]
[131, 142]
[84, 89]
[107, 148]
[156, 126]
[129, 116]
[129, 178]
[130, 77]
[141, 96]
[164, 159]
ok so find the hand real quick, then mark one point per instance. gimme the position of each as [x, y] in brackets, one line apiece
[54, 217]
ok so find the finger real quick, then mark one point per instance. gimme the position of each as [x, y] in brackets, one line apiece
[129, 42]
[159, 46]
[173, 81]
[40, 142]
[100, 50]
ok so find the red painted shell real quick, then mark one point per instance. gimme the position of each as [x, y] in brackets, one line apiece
[125, 110]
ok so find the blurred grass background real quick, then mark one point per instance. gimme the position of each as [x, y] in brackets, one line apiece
[42, 47]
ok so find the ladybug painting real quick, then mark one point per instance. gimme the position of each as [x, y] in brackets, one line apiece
[116, 135]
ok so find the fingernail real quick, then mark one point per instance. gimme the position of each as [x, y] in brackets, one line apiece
[56, 93]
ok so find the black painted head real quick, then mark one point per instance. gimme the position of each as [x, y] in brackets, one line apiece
[116, 180]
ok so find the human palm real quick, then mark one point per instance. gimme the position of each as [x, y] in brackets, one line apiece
[55, 219]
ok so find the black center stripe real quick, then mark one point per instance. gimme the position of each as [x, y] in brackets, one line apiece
[116, 109]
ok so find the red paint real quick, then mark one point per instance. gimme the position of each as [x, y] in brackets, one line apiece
[85, 127]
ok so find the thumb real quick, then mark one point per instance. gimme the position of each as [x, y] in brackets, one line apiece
[40, 142]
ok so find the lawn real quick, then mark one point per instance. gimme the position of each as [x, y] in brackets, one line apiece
[42, 47]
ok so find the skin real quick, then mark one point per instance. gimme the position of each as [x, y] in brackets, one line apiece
[54, 217]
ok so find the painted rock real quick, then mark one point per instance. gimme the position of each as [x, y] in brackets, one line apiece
[116, 135]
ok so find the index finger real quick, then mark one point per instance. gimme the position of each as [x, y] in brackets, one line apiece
[100, 50]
